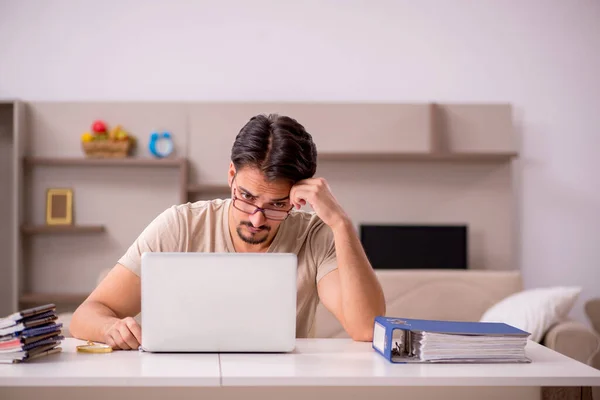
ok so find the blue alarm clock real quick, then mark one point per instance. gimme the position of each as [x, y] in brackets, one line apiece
[161, 144]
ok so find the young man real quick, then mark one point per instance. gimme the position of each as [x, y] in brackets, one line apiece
[273, 161]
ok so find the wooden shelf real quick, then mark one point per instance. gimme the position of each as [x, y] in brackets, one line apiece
[35, 229]
[56, 298]
[208, 188]
[441, 156]
[108, 162]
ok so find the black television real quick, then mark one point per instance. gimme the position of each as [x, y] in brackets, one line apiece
[415, 246]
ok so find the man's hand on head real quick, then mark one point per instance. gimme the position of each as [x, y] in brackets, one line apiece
[316, 192]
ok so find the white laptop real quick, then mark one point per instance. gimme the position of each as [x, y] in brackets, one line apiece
[218, 302]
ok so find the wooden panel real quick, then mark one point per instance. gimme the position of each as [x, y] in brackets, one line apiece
[20, 137]
[208, 188]
[57, 126]
[213, 127]
[471, 128]
[183, 182]
[403, 128]
[6, 209]
[208, 192]
[122, 199]
[359, 146]
[479, 195]
[340, 128]
[122, 195]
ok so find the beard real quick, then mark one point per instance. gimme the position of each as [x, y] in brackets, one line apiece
[253, 238]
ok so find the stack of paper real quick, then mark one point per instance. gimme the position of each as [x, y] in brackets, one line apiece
[435, 347]
[431, 341]
[30, 334]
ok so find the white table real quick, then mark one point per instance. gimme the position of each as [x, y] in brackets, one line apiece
[320, 368]
[119, 368]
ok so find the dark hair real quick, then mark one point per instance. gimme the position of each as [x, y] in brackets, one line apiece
[278, 146]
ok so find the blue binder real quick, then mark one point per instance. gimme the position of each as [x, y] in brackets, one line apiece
[385, 339]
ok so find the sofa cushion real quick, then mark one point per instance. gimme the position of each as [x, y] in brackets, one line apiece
[456, 295]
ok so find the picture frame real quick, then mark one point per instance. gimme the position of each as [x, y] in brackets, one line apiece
[59, 206]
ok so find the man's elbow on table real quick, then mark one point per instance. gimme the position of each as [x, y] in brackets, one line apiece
[76, 325]
[364, 332]
[82, 318]
[363, 336]
[90, 319]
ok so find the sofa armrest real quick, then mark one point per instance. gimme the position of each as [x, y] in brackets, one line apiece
[573, 339]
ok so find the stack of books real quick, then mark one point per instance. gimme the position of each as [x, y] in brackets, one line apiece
[403, 340]
[30, 334]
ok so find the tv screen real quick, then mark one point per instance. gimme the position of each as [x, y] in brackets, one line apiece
[415, 246]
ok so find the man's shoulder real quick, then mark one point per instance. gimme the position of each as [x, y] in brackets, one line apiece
[202, 206]
[200, 209]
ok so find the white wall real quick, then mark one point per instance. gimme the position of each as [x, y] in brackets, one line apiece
[541, 56]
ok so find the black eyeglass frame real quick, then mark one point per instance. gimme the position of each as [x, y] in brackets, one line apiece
[264, 211]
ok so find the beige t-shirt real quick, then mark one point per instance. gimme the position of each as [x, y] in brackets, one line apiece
[204, 227]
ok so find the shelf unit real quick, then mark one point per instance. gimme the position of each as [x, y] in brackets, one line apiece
[476, 157]
[216, 188]
[105, 162]
[26, 299]
[66, 229]
[32, 298]
[11, 149]
[405, 133]
[180, 163]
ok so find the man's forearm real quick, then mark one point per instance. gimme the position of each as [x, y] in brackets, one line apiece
[362, 296]
[91, 320]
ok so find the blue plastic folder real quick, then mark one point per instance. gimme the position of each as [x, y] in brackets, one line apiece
[404, 340]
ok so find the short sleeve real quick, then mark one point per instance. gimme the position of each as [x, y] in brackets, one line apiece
[163, 234]
[323, 245]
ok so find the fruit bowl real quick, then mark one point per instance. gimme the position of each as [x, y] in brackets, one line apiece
[116, 143]
[107, 148]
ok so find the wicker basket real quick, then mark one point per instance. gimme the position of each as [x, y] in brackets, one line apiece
[107, 148]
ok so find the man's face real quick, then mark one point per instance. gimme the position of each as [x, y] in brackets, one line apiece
[250, 186]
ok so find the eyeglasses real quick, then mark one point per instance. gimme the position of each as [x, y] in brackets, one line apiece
[249, 208]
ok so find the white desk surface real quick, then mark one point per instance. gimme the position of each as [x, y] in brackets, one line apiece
[118, 368]
[342, 362]
[315, 362]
